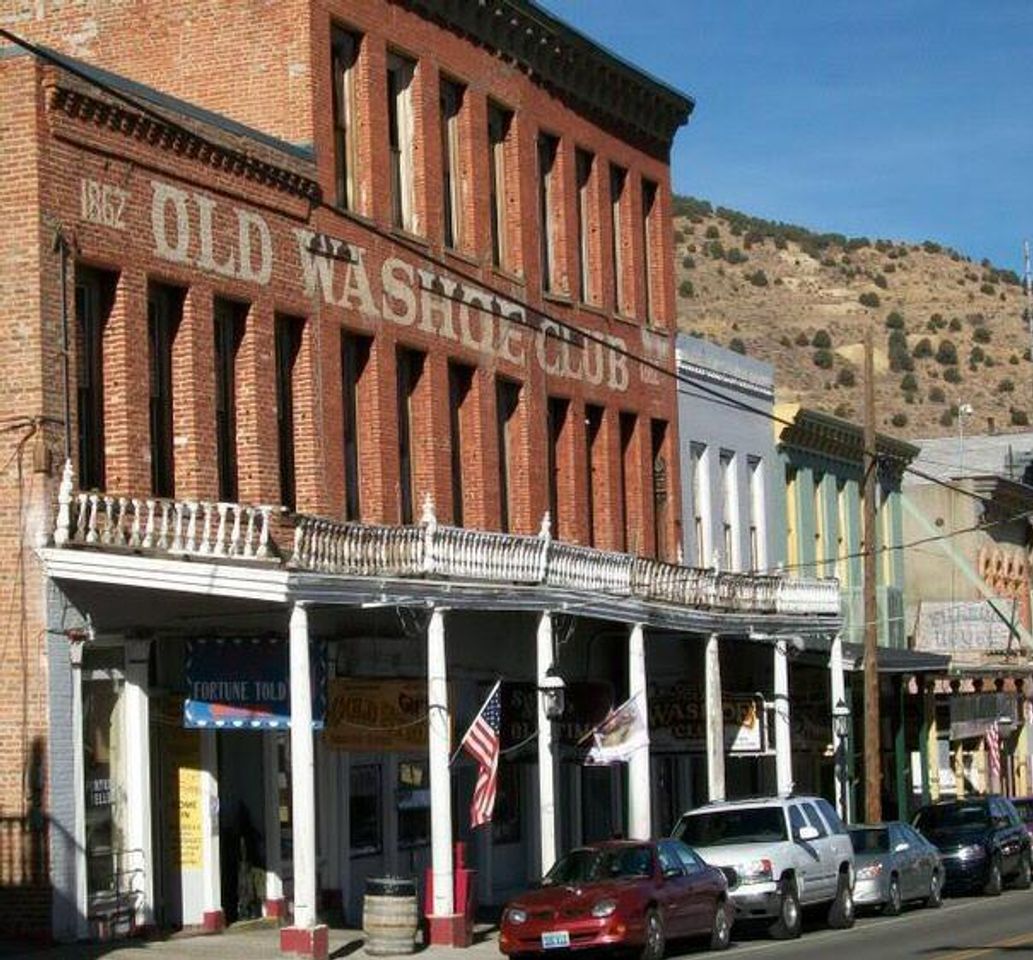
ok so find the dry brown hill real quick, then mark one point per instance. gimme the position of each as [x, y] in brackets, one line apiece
[947, 331]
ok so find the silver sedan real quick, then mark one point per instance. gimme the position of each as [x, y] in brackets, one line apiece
[895, 864]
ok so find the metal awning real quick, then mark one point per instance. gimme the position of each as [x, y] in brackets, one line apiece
[896, 660]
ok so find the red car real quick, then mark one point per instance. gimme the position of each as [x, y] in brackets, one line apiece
[621, 894]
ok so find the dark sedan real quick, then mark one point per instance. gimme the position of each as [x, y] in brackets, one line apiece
[620, 894]
[982, 841]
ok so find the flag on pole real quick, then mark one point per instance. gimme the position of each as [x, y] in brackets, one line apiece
[621, 734]
[993, 750]
[482, 743]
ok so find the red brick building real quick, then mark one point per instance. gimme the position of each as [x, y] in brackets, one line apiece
[342, 284]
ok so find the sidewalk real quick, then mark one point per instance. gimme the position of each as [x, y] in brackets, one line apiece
[245, 941]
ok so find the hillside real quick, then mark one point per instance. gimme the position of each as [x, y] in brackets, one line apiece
[947, 331]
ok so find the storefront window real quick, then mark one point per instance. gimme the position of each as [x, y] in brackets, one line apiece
[102, 787]
[506, 821]
[364, 809]
[413, 801]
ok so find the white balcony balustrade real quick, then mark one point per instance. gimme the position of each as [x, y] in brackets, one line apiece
[425, 550]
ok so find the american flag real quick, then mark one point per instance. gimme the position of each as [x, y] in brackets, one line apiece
[482, 743]
[993, 749]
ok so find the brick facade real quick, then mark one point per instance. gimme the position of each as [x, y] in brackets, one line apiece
[155, 208]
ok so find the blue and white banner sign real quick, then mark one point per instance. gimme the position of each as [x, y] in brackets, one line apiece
[243, 683]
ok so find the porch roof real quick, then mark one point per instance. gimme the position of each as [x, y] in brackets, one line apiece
[262, 553]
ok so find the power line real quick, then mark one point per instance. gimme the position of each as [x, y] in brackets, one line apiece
[317, 202]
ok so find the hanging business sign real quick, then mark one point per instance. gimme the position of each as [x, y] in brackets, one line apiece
[377, 714]
[678, 720]
[243, 683]
[586, 703]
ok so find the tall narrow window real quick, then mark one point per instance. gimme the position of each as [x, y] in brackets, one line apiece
[792, 518]
[548, 147]
[758, 515]
[344, 55]
[355, 351]
[593, 437]
[409, 371]
[820, 533]
[94, 295]
[700, 486]
[658, 439]
[499, 122]
[451, 104]
[729, 511]
[164, 313]
[507, 402]
[460, 383]
[400, 74]
[583, 163]
[844, 541]
[556, 415]
[288, 343]
[229, 318]
[618, 177]
[627, 436]
[649, 215]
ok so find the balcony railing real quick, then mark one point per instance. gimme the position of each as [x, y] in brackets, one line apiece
[427, 550]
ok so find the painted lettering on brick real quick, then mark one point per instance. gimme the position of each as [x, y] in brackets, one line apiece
[103, 203]
[183, 225]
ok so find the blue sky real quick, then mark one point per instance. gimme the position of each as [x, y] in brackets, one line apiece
[905, 119]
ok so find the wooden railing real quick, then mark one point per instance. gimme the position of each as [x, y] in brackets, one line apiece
[427, 550]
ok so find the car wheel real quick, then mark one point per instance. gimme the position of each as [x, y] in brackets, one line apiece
[841, 912]
[788, 924]
[993, 879]
[721, 932]
[653, 948]
[894, 903]
[935, 898]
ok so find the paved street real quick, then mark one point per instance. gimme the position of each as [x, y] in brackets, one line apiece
[963, 929]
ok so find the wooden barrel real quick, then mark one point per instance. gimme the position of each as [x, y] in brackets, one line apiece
[389, 916]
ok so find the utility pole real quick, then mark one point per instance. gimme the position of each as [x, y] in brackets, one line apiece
[1027, 276]
[872, 753]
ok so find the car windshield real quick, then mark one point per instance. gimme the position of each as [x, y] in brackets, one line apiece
[870, 840]
[606, 863]
[725, 827]
[1024, 808]
[952, 815]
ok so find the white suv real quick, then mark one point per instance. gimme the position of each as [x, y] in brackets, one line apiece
[780, 854]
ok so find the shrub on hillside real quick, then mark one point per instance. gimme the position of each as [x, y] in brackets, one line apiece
[899, 420]
[715, 250]
[758, 278]
[923, 349]
[1019, 418]
[982, 335]
[908, 383]
[936, 395]
[712, 233]
[688, 262]
[946, 419]
[823, 359]
[946, 353]
[1006, 386]
[895, 320]
[802, 340]
[989, 289]
[686, 289]
[785, 341]
[955, 325]
[846, 377]
[1014, 359]
[735, 255]
[952, 375]
[737, 345]
[880, 281]
[844, 411]
[822, 340]
[679, 237]
[869, 300]
[976, 355]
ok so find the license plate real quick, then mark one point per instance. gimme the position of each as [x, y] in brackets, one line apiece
[555, 940]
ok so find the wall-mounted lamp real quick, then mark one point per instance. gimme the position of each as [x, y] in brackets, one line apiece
[841, 719]
[552, 688]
